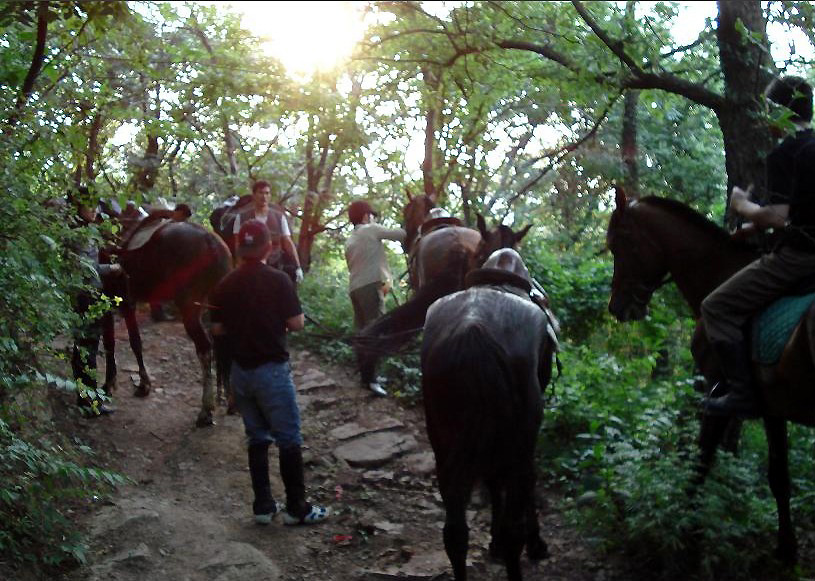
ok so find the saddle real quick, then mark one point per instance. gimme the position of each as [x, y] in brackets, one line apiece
[145, 231]
[435, 223]
[510, 282]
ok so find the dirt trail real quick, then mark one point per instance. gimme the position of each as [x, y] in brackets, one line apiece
[187, 514]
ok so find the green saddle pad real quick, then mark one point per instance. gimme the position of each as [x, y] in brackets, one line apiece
[773, 327]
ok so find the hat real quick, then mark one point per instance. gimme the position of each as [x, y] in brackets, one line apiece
[254, 240]
[358, 209]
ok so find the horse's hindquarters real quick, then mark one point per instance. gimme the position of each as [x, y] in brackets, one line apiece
[789, 387]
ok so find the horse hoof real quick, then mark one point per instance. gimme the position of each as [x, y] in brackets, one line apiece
[537, 550]
[142, 391]
[205, 421]
[231, 411]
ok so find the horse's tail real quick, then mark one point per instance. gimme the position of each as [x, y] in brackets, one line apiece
[395, 329]
[469, 394]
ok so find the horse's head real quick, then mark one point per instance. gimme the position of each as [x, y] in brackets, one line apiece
[640, 267]
[415, 214]
[500, 237]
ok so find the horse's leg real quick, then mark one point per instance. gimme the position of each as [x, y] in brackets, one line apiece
[128, 311]
[779, 476]
[455, 493]
[223, 365]
[191, 315]
[511, 524]
[536, 548]
[711, 432]
[109, 342]
[496, 549]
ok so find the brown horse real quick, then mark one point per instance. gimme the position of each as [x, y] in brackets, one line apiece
[486, 358]
[180, 262]
[440, 254]
[656, 238]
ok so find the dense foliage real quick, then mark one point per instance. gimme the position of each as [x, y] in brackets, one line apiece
[526, 111]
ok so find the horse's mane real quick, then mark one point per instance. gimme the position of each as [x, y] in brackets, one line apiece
[687, 214]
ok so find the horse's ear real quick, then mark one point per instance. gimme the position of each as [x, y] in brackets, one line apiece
[620, 198]
[434, 197]
[482, 225]
[407, 191]
[521, 233]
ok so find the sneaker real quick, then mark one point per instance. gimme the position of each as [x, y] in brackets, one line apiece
[315, 515]
[377, 389]
[265, 517]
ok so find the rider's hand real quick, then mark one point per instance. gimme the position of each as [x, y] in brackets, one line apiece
[298, 275]
[738, 197]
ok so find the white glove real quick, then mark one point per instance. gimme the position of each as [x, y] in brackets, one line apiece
[298, 274]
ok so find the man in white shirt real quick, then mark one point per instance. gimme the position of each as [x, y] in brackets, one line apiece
[369, 275]
[274, 219]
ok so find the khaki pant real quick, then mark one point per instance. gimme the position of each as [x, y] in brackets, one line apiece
[727, 310]
[368, 302]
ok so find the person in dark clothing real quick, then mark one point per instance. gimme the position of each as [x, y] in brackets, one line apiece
[86, 336]
[790, 208]
[253, 308]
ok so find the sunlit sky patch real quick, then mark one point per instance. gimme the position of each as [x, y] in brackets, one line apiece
[307, 37]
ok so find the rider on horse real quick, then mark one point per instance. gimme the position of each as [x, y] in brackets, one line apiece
[789, 184]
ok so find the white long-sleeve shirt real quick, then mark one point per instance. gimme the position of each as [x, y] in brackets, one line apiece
[365, 254]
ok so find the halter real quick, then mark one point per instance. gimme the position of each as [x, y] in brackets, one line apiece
[641, 291]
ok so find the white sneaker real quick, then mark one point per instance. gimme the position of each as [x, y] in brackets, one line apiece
[315, 515]
[377, 389]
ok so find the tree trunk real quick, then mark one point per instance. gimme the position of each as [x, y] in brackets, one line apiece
[628, 144]
[747, 69]
[431, 79]
[34, 69]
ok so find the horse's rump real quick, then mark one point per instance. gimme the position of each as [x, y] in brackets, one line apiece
[182, 260]
[480, 385]
[446, 251]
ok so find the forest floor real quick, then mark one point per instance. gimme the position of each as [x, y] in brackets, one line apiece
[187, 513]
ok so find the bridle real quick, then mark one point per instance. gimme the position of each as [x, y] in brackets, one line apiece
[641, 290]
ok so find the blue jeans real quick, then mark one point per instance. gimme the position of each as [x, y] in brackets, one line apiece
[266, 400]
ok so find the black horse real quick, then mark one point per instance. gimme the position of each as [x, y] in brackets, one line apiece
[487, 354]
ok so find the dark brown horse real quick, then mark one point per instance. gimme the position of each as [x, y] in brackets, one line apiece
[179, 262]
[486, 358]
[440, 254]
[654, 238]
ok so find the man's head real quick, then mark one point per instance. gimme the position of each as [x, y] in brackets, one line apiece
[261, 191]
[794, 93]
[254, 241]
[358, 210]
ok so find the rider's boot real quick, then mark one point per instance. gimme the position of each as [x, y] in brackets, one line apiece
[741, 399]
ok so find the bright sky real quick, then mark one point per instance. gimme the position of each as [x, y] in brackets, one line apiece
[305, 36]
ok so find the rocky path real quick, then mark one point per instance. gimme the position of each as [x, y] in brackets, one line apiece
[187, 513]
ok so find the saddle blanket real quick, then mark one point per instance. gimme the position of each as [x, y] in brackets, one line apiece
[773, 327]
